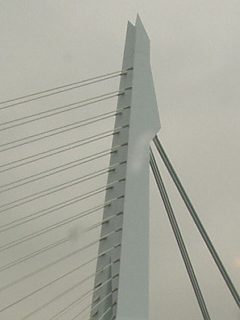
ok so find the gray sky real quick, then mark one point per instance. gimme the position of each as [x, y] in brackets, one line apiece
[196, 68]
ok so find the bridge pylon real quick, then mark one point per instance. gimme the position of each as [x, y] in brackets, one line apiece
[122, 276]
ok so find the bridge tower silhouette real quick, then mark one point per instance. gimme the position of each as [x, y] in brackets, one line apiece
[75, 211]
[139, 121]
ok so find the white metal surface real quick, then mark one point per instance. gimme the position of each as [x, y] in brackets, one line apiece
[144, 124]
[139, 124]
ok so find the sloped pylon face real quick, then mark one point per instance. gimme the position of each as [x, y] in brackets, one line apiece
[127, 246]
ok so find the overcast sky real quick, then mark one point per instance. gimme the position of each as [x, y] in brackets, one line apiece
[195, 58]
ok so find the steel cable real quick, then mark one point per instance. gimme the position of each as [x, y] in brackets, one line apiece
[61, 129]
[62, 241]
[50, 191]
[58, 110]
[20, 221]
[63, 293]
[197, 221]
[78, 300]
[179, 238]
[106, 312]
[42, 155]
[34, 254]
[35, 272]
[80, 84]
[55, 170]
[56, 225]
[50, 283]
[89, 306]
[38, 214]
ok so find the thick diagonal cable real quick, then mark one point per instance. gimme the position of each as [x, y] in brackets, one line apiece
[52, 282]
[62, 241]
[73, 86]
[66, 147]
[197, 221]
[49, 265]
[79, 300]
[62, 168]
[59, 110]
[63, 293]
[56, 225]
[52, 190]
[61, 129]
[179, 238]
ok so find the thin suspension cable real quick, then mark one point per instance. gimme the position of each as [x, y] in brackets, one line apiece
[56, 225]
[34, 254]
[50, 191]
[61, 129]
[62, 168]
[110, 294]
[197, 221]
[48, 210]
[44, 268]
[58, 110]
[44, 212]
[65, 292]
[121, 72]
[52, 132]
[59, 278]
[78, 300]
[25, 219]
[72, 305]
[62, 241]
[97, 305]
[41, 213]
[106, 312]
[86, 316]
[48, 284]
[96, 225]
[179, 238]
[74, 86]
[67, 309]
[63, 148]
[27, 276]
[89, 306]
[45, 230]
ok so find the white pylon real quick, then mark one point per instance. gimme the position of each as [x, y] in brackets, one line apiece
[127, 243]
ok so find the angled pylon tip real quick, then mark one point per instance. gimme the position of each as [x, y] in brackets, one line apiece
[139, 25]
[130, 24]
